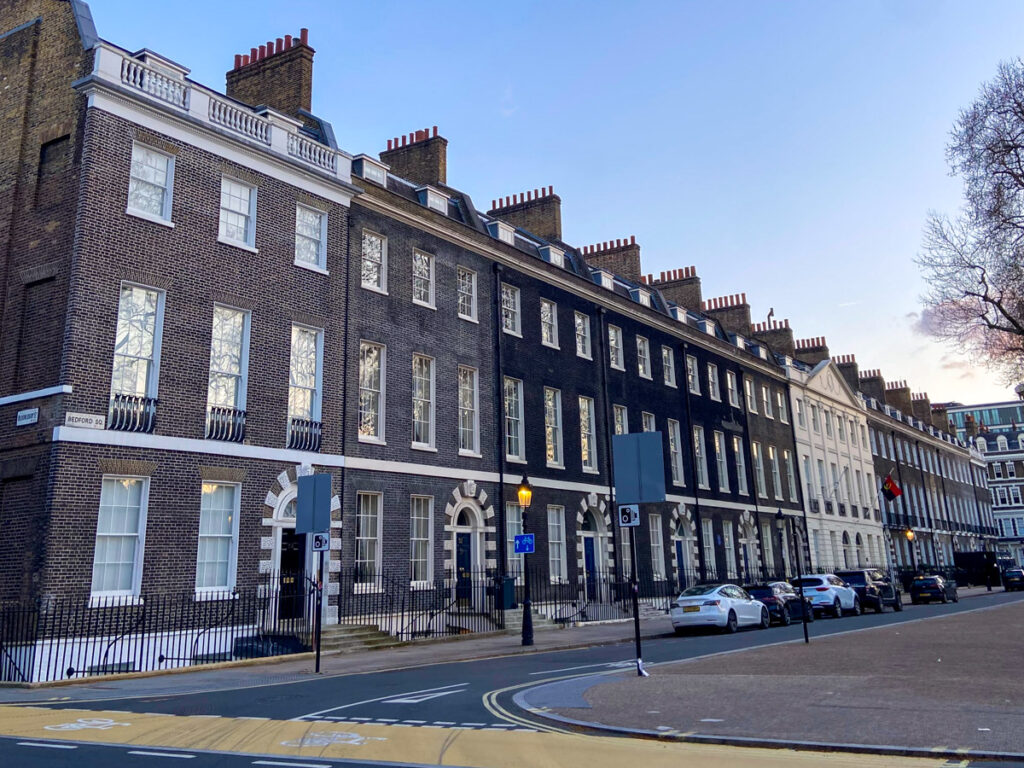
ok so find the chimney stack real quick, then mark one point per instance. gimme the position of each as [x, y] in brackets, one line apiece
[277, 74]
[847, 366]
[811, 351]
[940, 419]
[420, 157]
[922, 407]
[776, 334]
[538, 212]
[680, 286]
[897, 394]
[873, 385]
[732, 312]
[620, 257]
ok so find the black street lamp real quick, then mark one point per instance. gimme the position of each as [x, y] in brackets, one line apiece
[779, 519]
[525, 493]
[780, 523]
[909, 533]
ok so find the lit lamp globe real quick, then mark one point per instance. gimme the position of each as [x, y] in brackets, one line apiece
[525, 493]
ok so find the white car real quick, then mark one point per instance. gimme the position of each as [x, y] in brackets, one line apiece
[717, 605]
[829, 594]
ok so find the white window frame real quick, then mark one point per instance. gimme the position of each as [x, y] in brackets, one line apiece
[553, 343]
[321, 252]
[722, 463]
[164, 217]
[692, 375]
[249, 243]
[459, 293]
[668, 366]
[242, 388]
[553, 447]
[381, 286]
[708, 536]
[750, 395]
[511, 313]
[675, 452]
[766, 402]
[647, 420]
[380, 437]
[700, 457]
[714, 386]
[520, 436]
[740, 458]
[413, 539]
[153, 375]
[557, 564]
[615, 351]
[617, 411]
[474, 449]
[780, 406]
[643, 357]
[318, 392]
[427, 445]
[232, 573]
[431, 282]
[787, 459]
[377, 539]
[583, 344]
[513, 528]
[657, 547]
[773, 459]
[140, 542]
[801, 417]
[588, 434]
[732, 386]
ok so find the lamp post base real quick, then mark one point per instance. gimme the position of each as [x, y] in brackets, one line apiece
[527, 622]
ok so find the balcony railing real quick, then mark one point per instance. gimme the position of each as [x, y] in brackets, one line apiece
[304, 435]
[225, 424]
[132, 413]
[135, 74]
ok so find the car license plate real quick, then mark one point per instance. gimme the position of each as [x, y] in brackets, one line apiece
[691, 609]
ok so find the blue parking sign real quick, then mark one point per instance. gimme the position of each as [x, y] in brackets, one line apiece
[523, 544]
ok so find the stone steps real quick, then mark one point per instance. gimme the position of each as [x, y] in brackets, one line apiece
[341, 638]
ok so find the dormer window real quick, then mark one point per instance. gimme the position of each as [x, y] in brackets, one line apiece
[433, 199]
[605, 279]
[370, 169]
[552, 255]
[678, 313]
[504, 232]
[641, 296]
[708, 326]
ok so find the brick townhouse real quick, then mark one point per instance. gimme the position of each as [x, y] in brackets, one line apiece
[205, 298]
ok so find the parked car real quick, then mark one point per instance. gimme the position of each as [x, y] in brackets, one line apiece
[725, 606]
[925, 588]
[782, 601]
[1013, 578]
[874, 588]
[829, 594]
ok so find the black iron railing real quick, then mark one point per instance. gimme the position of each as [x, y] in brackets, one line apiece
[303, 434]
[225, 424]
[132, 413]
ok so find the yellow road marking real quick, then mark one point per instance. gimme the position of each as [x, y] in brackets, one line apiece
[438, 746]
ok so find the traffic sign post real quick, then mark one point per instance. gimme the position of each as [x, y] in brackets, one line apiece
[313, 517]
[629, 515]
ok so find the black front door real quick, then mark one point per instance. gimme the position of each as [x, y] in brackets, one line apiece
[681, 564]
[463, 567]
[590, 564]
[293, 574]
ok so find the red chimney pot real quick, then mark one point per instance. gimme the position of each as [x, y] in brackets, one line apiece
[287, 42]
[304, 36]
[238, 60]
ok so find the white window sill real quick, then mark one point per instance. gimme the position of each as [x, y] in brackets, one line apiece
[584, 357]
[469, 319]
[589, 471]
[374, 289]
[514, 460]
[703, 487]
[113, 600]
[423, 447]
[517, 334]
[716, 399]
[312, 267]
[470, 454]
[372, 440]
[424, 304]
[221, 593]
[671, 384]
[724, 490]
[695, 392]
[678, 484]
[238, 244]
[550, 346]
[552, 465]
[615, 367]
[645, 376]
[150, 217]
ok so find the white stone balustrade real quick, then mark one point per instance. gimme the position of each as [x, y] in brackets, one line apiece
[135, 74]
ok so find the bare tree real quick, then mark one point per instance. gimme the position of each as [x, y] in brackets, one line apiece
[974, 263]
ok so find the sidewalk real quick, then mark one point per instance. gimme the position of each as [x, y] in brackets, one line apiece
[942, 683]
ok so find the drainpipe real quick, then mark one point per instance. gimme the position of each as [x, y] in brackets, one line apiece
[609, 424]
[499, 432]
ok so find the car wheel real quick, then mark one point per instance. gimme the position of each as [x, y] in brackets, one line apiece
[880, 605]
[856, 606]
[766, 619]
[945, 598]
[786, 618]
[731, 625]
[914, 601]
[956, 596]
[898, 605]
[837, 609]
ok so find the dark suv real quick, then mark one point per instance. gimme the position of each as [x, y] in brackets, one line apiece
[875, 589]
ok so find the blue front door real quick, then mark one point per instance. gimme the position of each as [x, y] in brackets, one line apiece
[680, 564]
[463, 566]
[590, 564]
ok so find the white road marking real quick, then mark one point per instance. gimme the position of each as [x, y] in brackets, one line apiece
[387, 720]
[291, 765]
[379, 698]
[417, 722]
[48, 746]
[711, 720]
[160, 754]
[420, 698]
[437, 722]
[571, 669]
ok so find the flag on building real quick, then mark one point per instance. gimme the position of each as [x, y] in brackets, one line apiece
[889, 488]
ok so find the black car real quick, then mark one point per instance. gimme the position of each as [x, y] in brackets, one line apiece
[782, 601]
[1013, 578]
[924, 589]
[874, 588]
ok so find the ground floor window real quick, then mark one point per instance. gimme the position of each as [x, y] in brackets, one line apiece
[368, 510]
[120, 535]
[218, 537]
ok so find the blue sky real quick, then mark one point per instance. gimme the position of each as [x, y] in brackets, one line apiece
[788, 150]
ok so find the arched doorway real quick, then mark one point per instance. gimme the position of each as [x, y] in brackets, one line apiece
[467, 548]
[591, 534]
[682, 545]
[292, 560]
[847, 554]
[860, 551]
